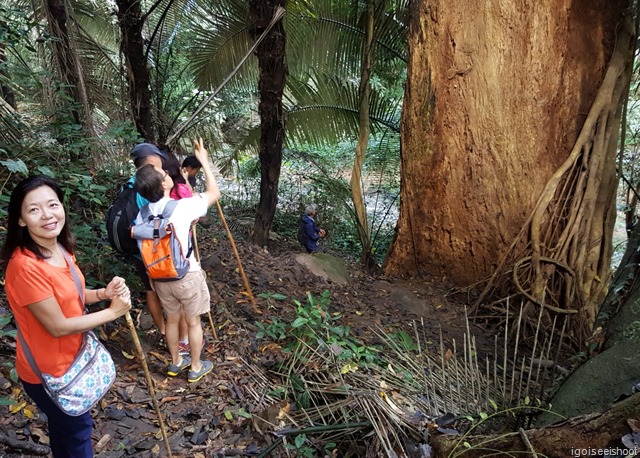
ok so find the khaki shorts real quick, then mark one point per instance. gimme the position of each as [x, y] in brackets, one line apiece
[190, 294]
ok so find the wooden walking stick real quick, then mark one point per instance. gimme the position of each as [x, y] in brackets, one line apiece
[147, 374]
[235, 251]
[197, 254]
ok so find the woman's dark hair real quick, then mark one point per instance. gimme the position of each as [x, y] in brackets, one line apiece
[172, 166]
[18, 236]
[149, 183]
[191, 161]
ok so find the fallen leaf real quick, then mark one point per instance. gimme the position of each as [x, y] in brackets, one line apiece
[30, 412]
[349, 367]
[43, 438]
[15, 408]
[282, 413]
[127, 355]
[358, 312]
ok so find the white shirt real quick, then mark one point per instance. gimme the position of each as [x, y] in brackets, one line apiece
[186, 211]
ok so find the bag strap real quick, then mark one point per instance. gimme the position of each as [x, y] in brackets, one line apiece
[76, 280]
[76, 277]
[28, 355]
[166, 214]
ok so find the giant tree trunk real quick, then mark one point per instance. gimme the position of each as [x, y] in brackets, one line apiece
[131, 22]
[496, 97]
[273, 70]
[76, 99]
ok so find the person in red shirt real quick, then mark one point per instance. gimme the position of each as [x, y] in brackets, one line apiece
[45, 303]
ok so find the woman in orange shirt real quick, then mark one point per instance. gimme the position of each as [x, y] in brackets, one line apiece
[45, 302]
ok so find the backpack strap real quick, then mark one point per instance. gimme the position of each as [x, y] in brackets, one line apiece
[169, 208]
[145, 212]
[166, 213]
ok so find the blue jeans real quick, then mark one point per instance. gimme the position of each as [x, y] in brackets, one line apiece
[69, 437]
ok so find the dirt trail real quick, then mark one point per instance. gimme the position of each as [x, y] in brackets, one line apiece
[213, 417]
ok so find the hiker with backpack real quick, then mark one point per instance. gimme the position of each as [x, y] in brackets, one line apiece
[162, 230]
[308, 231]
[120, 217]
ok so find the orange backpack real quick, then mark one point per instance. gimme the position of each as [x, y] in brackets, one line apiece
[161, 250]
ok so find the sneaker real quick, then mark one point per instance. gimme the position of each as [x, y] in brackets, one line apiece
[175, 369]
[194, 376]
[185, 350]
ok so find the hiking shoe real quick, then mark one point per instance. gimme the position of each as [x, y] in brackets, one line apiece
[194, 376]
[185, 349]
[175, 369]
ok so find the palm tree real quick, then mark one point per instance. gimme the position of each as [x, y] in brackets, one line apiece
[273, 71]
[321, 102]
[131, 21]
[68, 64]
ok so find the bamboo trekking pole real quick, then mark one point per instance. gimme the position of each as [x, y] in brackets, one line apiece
[235, 251]
[147, 374]
[197, 254]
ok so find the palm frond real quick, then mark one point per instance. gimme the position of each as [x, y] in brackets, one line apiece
[220, 41]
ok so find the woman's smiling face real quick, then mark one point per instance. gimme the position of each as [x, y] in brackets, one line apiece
[42, 214]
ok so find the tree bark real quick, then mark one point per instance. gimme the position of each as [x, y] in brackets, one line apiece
[596, 431]
[273, 71]
[68, 65]
[495, 98]
[131, 22]
[5, 91]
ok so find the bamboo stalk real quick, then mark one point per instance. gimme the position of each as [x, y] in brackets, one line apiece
[235, 251]
[147, 375]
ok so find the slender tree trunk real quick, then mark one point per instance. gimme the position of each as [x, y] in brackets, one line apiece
[497, 95]
[357, 194]
[69, 66]
[5, 91]
[131, 22]
[273, 71]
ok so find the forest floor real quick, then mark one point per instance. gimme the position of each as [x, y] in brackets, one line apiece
[217, 415]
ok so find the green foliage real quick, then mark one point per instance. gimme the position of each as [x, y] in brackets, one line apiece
[314, 326]
[4, 321]
[300, 446]
[403, 340]
[276, 330]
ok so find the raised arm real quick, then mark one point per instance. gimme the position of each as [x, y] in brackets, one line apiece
[212, 192]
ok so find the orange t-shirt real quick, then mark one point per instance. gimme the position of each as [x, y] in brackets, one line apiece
[29, 280]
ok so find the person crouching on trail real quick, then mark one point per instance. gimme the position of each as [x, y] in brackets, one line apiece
[189, 294]
[308, 232]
